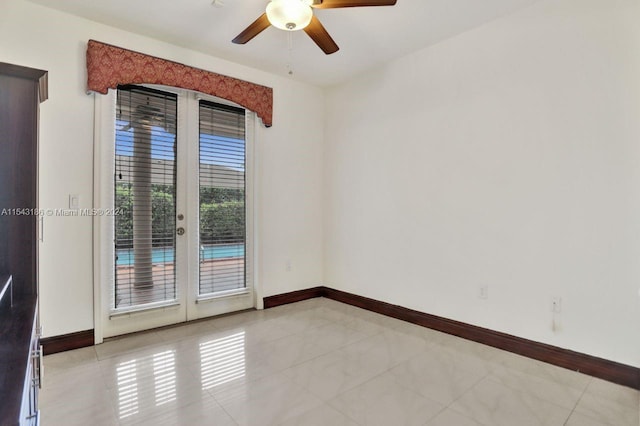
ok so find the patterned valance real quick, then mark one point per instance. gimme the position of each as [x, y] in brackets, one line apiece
[109, 66]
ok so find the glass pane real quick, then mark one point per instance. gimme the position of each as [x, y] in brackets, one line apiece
[222, 198]
[145, 189]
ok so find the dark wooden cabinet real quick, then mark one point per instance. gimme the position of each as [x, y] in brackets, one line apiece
[21, 91]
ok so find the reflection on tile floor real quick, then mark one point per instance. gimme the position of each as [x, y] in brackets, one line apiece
[318, 362]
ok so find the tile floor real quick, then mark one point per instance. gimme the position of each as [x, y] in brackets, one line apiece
[318, 362]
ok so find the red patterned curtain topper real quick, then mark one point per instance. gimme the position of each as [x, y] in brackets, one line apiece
[109, 66]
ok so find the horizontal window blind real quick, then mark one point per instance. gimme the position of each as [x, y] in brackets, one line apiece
[222, 198]
[145, 195]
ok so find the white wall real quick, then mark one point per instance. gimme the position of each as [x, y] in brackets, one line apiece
[508, 156]
[289, 160]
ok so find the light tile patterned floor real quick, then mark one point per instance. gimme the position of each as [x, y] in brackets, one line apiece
[318, 362]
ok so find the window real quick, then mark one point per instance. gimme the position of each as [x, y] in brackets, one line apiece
[145, 197]
[179, 179]
[222, 192]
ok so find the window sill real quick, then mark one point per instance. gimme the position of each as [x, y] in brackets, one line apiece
[223, 295]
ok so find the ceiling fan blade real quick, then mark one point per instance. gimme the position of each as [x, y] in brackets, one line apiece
[334, 4]
[320, 36]
[258, 26]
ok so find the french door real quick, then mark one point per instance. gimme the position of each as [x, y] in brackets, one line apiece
[175, 217]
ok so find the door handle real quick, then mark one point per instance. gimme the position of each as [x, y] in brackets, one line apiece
[180, 231]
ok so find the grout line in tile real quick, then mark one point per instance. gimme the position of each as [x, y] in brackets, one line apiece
[577, 402]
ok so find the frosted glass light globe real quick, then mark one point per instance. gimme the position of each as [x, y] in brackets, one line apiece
[289, 15]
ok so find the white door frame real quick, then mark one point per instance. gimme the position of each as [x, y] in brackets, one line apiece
[188, 305]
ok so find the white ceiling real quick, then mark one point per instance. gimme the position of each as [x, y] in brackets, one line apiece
[367, 36]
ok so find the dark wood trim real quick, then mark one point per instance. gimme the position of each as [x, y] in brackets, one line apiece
[43, 87]
[41, 76]
[597, 367]
[67, 342]
[294, 296]
[20, 71]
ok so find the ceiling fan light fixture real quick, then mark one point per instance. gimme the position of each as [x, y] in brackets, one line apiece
[289, 15]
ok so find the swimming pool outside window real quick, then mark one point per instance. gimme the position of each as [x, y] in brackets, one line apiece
[222, 194]
[145, 192]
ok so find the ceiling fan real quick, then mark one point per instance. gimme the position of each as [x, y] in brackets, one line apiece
[294, 15]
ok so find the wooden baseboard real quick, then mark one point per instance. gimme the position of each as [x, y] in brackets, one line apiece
[597, 367]
[294, 296]
[67, 342]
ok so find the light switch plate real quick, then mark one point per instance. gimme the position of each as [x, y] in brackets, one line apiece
[74, 201]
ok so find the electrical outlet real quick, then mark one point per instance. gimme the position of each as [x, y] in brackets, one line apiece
[556, 305]
[287, 265]
[483, 292]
